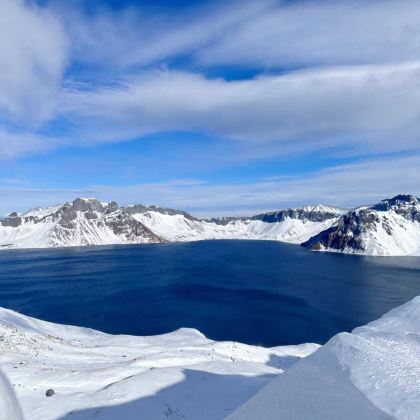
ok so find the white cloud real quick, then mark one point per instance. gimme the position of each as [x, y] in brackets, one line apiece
[357, 108]
[265, 34]
[331, 32]
[136, 36]
[14, 144]
[32, 59]
[369, 108]
[347, 186]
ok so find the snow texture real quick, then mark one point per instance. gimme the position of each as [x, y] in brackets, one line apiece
[369, 374]
[94, 375]
[372, 373]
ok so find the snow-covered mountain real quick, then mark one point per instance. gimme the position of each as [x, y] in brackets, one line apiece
[85, 221]
[391, 227]
[90, 222]
[371, 374]
[292, 225]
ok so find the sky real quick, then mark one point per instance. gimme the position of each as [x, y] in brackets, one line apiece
[214, 107]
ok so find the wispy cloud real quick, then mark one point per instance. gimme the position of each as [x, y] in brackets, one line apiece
[346, 186]
[360, 106]
[263, 33]
[33, 55]
[340, 76]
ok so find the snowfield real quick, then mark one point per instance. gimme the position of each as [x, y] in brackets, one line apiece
[178, 228]
[371, 373]
[94, 375]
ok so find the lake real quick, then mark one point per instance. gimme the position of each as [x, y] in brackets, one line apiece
[256, 292]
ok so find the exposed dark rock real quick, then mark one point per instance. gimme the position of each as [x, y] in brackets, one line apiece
[66, 215]
[280, 216]
[83, 205]
[13, 220]
[91, 215]
[50, 392]
[111, 207]
[348, 231]
[124, 224]
[298, 213]
[223, 221]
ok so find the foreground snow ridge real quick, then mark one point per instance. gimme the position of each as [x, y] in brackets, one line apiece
[94, 375]
[372, 373]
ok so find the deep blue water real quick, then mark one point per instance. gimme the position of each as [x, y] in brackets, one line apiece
[256, 292]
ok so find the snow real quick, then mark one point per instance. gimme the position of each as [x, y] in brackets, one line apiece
[181, 374]
[48, 233]
[405, 238]
[372, 373]
[41, 228]
[41, 211]
[321, 208]
[9, 406]
[392, 232]
[179, 228]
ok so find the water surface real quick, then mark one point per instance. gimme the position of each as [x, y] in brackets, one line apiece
[257, 292]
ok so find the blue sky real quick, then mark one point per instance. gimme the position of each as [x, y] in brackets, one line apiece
[217, 107]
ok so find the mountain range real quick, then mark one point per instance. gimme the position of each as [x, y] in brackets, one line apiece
[391, 227]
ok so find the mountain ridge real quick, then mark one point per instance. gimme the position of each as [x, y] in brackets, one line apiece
[87, 221]
[390, 227]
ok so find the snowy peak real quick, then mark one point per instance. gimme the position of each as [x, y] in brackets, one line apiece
[391, 227]
[77, 223]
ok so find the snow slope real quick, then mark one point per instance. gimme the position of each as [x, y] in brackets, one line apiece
[9, 406]
[372, 373]
[180, 228]
[94, 375]
[391, 227]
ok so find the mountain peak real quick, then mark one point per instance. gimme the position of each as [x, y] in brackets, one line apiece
[403, 198]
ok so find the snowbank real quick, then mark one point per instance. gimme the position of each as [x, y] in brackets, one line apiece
[178, 375]
[9, 407]
[372, 373]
